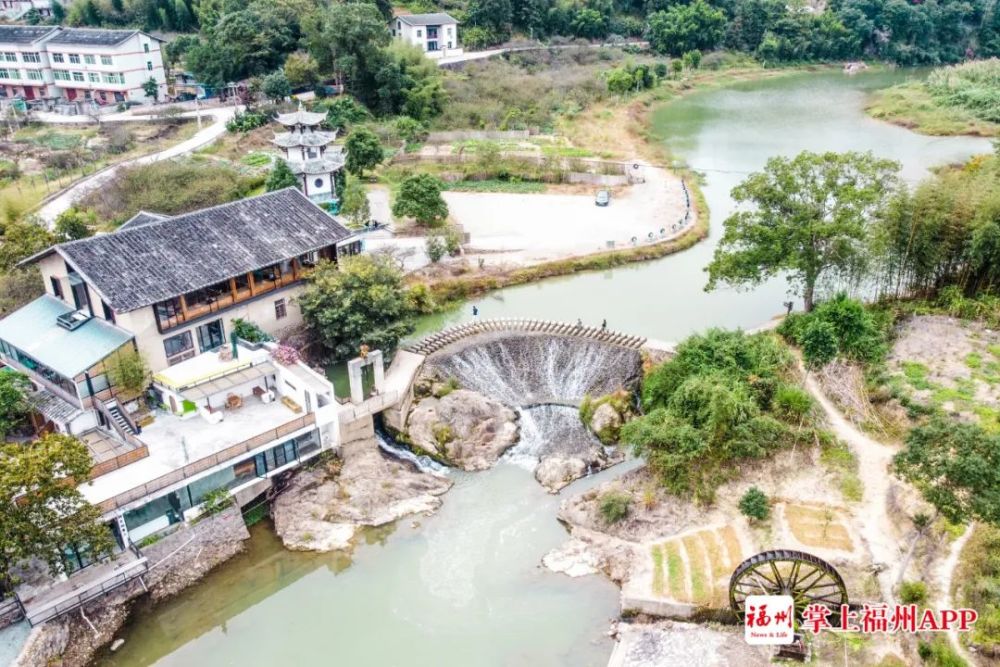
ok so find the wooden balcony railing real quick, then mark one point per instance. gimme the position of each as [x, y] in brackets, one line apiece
[206, 463]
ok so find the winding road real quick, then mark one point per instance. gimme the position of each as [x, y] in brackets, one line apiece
[58, 203]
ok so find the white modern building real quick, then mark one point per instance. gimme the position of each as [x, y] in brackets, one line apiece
[435, 34]
[79, 64]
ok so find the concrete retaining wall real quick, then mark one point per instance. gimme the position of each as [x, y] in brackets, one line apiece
[470, 135]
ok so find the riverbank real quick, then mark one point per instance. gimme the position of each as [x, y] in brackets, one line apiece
[176, 562]
[910, 105]
[623, 130]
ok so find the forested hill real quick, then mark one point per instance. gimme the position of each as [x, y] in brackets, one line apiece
[907, 32]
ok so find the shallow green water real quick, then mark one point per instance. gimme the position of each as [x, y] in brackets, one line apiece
[466, 587]
[725, 134]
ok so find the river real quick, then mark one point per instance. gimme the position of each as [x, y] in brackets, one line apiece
[465, 587]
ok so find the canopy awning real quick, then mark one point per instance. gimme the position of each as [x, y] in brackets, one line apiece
[226, 382]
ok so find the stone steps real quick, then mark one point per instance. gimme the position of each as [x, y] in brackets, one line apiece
[445, 337]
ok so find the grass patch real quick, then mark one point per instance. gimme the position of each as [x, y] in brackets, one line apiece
[656, 552]
[974, 360]
[818, 527]
[839, 458]
[913, 106]
[675, 571]
[701, 591]
[916, 374]
[494, 185]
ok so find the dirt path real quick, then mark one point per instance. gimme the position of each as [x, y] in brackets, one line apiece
[874, 459]
[944, 575]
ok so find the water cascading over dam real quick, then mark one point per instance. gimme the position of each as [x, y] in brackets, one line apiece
[544, 378]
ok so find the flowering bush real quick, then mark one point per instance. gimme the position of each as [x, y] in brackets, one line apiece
[285, 355]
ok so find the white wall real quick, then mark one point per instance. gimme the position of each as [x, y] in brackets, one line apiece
[417, 35]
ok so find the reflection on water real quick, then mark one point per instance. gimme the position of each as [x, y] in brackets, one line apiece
[465, 587]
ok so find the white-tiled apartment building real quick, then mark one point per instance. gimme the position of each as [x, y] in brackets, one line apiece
[75, 64]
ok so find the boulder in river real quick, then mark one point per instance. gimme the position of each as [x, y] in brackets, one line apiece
[463, 427]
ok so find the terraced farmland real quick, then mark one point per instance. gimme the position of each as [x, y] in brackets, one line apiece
[695, 568]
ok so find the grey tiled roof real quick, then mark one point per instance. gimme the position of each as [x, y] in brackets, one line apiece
[139, 266]
[142, 218]
[91, 36]
[52, 407]
[23, 34]
[426, 19]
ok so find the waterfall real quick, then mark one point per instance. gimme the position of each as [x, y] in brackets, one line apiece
[523, 370]
[549, 430]
[422, 463]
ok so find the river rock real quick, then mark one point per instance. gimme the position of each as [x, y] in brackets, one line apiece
[323, 507]
[606, 422]
[464, 427]
[555, 472]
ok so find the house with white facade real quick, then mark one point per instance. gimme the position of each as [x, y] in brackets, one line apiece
[435, 34]
[79, 64]
[220, 412]
[13, 10]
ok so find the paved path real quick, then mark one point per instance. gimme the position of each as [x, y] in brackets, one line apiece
[489, 53]
[51, 209]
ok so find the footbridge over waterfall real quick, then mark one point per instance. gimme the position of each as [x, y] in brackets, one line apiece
[455, 334]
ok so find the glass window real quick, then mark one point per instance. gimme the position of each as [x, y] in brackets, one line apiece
[211, 336]
[56, 287]
[9, 73]
[34, 75]
[58, 58]
[106, 60]
[419, 33]
[74, 58]
[280, 309]
[149, 65]
[178, 345]
[59, 75]
[78, 76]
[94, 77]
[90, 59]
[318, 182]
[10, 57]
[168, 313]
[109, 314]
[31, 57]
[145, 47]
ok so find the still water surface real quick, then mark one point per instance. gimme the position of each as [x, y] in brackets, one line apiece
[465, 587]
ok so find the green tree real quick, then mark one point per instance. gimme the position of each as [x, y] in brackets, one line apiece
[281, 176]
[410, 129]
[419, 197]
[14, 406]
[18, 287]
[276, 86]
[301, 70]
[364, 151]
[128, 370]
[620, 81]
[956, 466]
[810, 218]
[685, 27]
[819, 343]
[22, 240]
[344, 111]
[349, 38]
[496, 16]
[614, 506]
[754, 505]
[435, 248]
[361, 302]
[151, 88]
[40, 513]
[354, 204]
[73, 224]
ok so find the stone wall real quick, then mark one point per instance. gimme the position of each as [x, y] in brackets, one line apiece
[176, 562]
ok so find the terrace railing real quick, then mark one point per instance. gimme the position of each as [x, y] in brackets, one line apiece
[206, 463]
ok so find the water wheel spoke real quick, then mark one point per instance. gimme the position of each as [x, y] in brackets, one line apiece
[806, 578]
